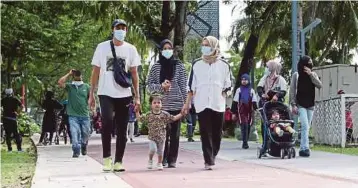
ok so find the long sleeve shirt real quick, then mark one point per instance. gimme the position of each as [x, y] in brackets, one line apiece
[176, 97]
[208, 82]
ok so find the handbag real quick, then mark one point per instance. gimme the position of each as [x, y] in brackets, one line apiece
[121, 76]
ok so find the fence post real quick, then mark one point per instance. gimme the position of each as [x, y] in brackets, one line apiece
[343, 123]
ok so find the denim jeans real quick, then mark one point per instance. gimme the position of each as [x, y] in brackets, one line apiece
[80, 131]
[295, 120]
[305, 116]
[191, 123]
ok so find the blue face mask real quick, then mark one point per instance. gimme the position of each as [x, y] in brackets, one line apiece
[267, 71]
[206, 50]
[119, 34]
[167, 53]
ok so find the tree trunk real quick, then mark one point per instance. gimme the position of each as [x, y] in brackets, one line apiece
[8, 72]
[247, 61]
[299, 28]
[165, 27]
[13, 54]
[179, 30]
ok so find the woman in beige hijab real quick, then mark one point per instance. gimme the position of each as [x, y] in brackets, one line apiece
[210, 49]
[272, 87]
[210, 82]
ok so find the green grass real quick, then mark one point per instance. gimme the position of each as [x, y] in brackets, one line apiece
[17, 169]
[336, 149]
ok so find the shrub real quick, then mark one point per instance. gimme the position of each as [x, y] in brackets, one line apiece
[27, 125]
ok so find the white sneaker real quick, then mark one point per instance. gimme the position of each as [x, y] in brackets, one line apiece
[160, 166]
[208, 167]
[150, 164]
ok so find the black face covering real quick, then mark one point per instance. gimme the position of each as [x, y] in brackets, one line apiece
[168, 66]
[305, 87]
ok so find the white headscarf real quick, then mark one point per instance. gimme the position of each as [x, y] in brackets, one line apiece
[274, 68]
[214, 44]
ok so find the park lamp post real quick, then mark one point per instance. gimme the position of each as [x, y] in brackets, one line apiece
[304, 31]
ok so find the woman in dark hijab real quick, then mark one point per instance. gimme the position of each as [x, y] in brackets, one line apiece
[168, 77]
[302, 98]
[49, 120]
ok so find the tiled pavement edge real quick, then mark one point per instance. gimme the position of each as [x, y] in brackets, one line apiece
[55, 168]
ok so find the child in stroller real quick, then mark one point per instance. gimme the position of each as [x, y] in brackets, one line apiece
[279, 128]
[277, 115]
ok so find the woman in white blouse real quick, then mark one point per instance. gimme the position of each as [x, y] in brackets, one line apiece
[210, 83]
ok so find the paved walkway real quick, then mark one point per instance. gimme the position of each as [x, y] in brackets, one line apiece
[320, 163]
[56, 168]
[234, 167]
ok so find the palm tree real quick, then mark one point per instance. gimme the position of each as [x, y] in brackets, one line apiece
[266, 30]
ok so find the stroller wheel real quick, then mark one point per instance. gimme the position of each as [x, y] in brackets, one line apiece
[259, 154]
[293, 152]
[283, 153]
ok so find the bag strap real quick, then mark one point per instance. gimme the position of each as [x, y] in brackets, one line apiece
[273, 83]
[113, 50]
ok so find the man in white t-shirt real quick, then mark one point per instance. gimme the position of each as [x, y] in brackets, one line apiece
[112, 96]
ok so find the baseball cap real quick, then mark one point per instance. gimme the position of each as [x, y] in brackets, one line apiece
[8, 91]
[118, 22]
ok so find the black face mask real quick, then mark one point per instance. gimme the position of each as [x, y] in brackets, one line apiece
[310, 65]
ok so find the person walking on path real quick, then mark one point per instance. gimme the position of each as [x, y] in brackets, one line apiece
[78, 111]
[191, 122]
[49, 119]
[244, 103]
[168, 77]
[114, 69]
[302, 98]
[64, 120]
[11, 108]
[132, 120]
[272, 87]
[227, 121]
[157, 121]
[209, 82]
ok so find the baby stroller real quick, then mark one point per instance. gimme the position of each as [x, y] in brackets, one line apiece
[273, 144]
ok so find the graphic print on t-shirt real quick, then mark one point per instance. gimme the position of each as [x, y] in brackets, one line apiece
[110, 60]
